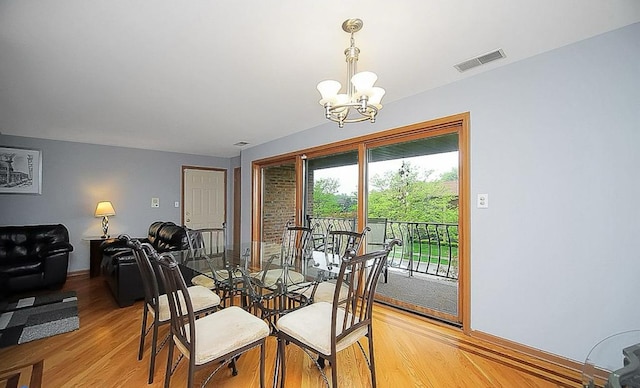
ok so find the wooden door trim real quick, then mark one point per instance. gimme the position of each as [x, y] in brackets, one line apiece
[443, 124]
[237, 213]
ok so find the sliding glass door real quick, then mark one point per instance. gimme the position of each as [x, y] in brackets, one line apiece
[409, 183]
[412, 194]
[331, 193]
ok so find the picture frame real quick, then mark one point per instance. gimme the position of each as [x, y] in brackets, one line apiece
[20, 170]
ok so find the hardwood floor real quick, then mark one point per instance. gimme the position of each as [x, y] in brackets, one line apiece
[411, 351]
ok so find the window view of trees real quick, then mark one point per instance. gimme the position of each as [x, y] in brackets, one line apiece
[327, 202]
[410, 193]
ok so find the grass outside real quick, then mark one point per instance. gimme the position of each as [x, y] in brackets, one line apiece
[421, 255]
[438, 253]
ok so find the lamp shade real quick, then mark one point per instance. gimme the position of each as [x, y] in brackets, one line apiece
[328, 89]
[376, 97]
[104, 208]
[364, 81]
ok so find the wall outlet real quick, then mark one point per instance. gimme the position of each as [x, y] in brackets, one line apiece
[483, 201]
[155, 202]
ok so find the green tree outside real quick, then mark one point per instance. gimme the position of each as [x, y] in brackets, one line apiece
[327, 202]
[410, 195]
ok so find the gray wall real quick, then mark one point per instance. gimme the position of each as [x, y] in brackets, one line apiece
[77, 176]
[555, 141]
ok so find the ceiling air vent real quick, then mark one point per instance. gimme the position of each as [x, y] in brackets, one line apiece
[480, 60]
[241, 144]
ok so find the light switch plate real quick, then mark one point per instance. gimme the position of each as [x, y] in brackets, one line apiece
[176, 204]
[155, 202]
[483, 201]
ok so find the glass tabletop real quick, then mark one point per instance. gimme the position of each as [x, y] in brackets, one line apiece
[261, 263]
[614, 362]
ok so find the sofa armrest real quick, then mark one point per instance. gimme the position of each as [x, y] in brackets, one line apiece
[55, 249]
[116, 244]
[113, 244]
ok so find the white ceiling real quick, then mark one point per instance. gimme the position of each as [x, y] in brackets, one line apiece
[197, 76]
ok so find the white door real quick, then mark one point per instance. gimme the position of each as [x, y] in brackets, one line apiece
[204, 193]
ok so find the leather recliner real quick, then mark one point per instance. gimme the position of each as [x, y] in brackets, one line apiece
[33, 256]
[119, 265]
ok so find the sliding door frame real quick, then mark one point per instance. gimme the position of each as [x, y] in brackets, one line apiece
[456, 123]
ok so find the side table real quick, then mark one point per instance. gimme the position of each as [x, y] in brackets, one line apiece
[95, 255]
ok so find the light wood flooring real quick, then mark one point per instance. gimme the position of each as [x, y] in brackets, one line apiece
[411, 351]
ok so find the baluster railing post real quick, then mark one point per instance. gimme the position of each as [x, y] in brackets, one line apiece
[410, 233]
[450, 250]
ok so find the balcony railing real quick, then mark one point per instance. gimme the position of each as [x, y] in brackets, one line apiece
[428, 247]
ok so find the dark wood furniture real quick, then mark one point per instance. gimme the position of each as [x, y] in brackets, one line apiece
[95, 255]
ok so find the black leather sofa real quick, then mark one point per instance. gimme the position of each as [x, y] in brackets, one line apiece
[33, 256]
[119, 265]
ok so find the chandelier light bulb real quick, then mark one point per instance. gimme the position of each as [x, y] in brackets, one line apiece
[328, 90]
[363, 82]
[376, 97]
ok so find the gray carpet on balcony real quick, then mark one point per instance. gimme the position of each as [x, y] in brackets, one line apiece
[421, 290]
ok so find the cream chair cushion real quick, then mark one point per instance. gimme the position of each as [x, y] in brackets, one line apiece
[273, 275]
[224, 331]
[325, 291]
[204, 281]
[312, 326]
[202, 298]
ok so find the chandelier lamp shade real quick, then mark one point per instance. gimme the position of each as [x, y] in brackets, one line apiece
[362, 99]
[104, 210]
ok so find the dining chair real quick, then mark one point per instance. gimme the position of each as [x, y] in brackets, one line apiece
[337, 244]
[218, 338]
[328, 328]
[208, 245]
[287, 267]
[156, 304]
[377, 238]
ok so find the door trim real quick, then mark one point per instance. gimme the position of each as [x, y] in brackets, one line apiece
[237, 211]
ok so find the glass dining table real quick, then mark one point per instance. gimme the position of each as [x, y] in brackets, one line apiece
[614, 362]
[256, 279]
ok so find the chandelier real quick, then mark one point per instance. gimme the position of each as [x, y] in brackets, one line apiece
[362, 100]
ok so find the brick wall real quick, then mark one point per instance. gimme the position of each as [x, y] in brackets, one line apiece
[279, 196]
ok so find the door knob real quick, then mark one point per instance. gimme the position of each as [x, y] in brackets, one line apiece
[188, 220]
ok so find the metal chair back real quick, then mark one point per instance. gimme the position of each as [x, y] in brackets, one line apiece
[180, 305]
[295, 246]
[153, 285]
[339, 242]
[359, 274]
[207, 241]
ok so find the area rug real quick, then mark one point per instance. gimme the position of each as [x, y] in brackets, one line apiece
[31, 318]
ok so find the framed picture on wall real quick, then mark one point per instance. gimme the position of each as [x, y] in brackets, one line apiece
[20, 171]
